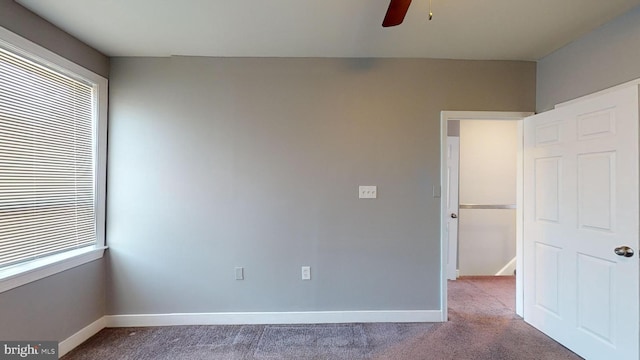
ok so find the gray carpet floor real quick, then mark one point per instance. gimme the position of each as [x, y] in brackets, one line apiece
[482, 325]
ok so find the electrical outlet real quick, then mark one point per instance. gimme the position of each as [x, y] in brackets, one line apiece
[306, 273]
[239, 273]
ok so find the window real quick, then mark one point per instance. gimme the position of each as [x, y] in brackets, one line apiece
[52, 152]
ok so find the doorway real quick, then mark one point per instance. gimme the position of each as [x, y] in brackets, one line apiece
[449, 200]
[486, 216]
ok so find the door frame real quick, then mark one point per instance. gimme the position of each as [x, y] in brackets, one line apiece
[451, 181]
[445, 247]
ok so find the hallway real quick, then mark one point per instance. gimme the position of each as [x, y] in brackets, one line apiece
[482, 326]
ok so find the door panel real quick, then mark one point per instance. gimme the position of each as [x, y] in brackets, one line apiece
[596, 193]
[548, 282]
[599, 271]
[581, 202]
[547, 188]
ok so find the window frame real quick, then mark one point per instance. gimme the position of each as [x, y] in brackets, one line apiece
[27, 272]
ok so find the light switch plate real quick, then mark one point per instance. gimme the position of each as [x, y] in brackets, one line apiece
[367, 192]
[239, 273]
[306, 273]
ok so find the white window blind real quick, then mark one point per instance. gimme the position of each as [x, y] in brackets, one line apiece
[47, 161]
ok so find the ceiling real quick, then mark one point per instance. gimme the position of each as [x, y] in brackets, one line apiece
[460, 29]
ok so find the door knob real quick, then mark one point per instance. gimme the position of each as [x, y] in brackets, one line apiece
[624, 251]
[453, 215]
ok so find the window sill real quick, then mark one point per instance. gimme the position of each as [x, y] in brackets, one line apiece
[22, 274]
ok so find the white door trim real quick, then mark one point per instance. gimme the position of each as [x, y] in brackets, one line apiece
[451, 198]
[444, 248]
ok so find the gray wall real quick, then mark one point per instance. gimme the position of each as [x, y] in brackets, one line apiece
[607, 56]
[223, 162]
[55, 307]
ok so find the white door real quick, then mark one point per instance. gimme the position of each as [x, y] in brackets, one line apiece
[580, 204]
[453, 159]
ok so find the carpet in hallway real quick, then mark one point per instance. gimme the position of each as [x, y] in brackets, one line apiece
[482, 326]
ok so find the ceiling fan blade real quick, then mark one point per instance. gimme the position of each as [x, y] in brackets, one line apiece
[396, 12]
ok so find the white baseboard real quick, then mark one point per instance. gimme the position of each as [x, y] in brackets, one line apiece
[508, 269]
[243, 318]
[81, 336]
